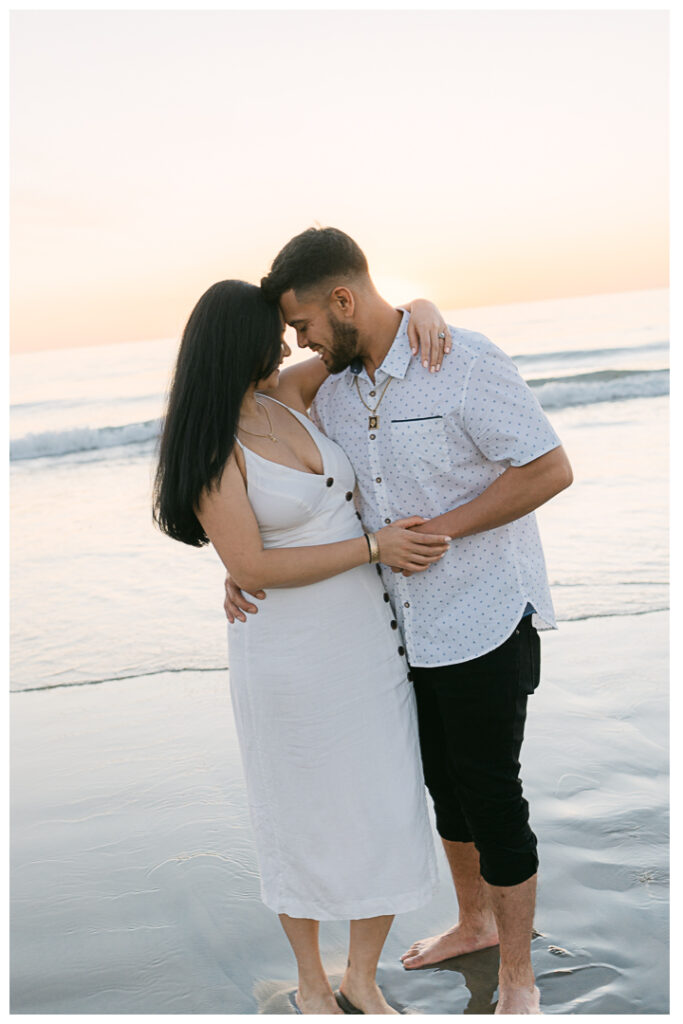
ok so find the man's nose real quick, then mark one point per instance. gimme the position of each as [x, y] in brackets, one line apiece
[301, 341]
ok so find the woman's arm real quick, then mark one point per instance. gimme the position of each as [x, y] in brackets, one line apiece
[425, 327]
[229, 522]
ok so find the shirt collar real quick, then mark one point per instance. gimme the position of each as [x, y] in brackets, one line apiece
[397, 359]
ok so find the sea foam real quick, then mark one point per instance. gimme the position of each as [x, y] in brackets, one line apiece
[82, 439]
[552, 393]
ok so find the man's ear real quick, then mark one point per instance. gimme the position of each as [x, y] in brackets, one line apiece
[342, 303]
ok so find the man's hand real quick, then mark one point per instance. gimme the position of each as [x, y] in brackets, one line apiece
[236, 604]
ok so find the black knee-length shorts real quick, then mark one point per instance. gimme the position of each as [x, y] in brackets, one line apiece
[471, 718]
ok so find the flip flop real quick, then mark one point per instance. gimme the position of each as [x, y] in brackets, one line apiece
[292, 999]
[344, 1004]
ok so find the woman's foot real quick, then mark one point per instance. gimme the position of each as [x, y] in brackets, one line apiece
[365, 995]
[315, 1000]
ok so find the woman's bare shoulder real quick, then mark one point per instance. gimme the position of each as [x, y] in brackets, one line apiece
[298, 384]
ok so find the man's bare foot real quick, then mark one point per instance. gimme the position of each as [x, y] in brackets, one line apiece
[519, 1000]
[455, 942]
[316, 1001]
[365, 995]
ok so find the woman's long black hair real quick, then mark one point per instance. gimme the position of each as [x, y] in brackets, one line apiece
[232, 339]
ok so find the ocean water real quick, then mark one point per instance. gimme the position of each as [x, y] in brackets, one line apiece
[98, 594]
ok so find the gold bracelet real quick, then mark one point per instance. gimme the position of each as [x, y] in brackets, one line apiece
[373, 545]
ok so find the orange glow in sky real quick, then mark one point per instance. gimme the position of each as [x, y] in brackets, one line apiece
[477, 157]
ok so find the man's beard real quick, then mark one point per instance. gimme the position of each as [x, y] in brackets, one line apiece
[344, 345]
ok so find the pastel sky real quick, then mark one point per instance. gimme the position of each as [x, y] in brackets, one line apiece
[477, 157]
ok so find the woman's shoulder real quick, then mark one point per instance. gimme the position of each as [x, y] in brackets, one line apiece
[289, 402]
[298, 384]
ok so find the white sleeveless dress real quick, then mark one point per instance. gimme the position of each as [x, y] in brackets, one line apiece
[326, 717]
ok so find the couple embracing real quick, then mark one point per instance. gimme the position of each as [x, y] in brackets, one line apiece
[378, 499]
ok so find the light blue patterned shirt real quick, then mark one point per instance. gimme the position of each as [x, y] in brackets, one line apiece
[442, 439]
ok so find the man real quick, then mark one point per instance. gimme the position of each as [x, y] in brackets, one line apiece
[471, 450]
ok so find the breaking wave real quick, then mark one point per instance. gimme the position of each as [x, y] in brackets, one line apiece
[552, 393]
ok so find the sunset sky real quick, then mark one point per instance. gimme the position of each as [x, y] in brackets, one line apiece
[477, 157]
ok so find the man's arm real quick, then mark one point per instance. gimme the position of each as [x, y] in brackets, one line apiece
[504, 420]
[515, 493]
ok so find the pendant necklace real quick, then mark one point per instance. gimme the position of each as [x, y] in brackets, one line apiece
[271, 436]
[373, 418]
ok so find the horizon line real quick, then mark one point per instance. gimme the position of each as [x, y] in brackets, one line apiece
[446, 309]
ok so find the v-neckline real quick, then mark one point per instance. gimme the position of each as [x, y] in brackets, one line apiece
[306, 425]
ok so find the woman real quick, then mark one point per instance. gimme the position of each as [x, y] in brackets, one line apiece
[324, 711]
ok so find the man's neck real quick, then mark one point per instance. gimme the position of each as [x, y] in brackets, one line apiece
[377, 332]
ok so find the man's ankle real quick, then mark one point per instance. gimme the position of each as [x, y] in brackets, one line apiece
[477, 922]
[521, 978]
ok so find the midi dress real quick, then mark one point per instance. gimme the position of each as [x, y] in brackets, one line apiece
[325, 716]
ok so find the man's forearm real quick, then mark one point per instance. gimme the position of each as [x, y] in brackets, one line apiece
[515, 493]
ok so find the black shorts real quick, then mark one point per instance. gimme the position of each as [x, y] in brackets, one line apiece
[471, 718]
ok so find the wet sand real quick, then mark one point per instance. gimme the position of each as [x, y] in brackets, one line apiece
[135, 887]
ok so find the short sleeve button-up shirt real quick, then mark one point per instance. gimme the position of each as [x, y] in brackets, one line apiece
[441, 440]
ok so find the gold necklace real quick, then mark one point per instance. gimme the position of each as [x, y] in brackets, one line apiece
[271, 436]
[373, 418]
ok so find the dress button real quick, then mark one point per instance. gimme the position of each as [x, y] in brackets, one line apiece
[409, 677]
[357, 515]
[406, 604]
[349, 495]
[387, 521]
[329, 481]
[379, 571]
[372, 437]
[394, 624]
[372, 394]
[386, 596]
[401, 651]
[378, 479]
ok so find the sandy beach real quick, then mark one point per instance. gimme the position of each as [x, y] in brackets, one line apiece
[135, 888]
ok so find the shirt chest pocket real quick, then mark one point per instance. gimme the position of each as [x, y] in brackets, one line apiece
[420, 447]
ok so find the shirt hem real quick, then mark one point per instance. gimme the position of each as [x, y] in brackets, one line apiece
[543, 625]
[532, 458]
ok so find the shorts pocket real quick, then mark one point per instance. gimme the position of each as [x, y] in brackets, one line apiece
[530, 657]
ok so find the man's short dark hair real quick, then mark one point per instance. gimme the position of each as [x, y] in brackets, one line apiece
[310, 258]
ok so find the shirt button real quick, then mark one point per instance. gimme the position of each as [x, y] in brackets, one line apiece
[409, 677]
[394, 624]
[379, 571]
[372, 437]
[386, 596]
[329, 481]
[378, 479]
[406, 604]
[372, 394]
[349, 495]
[401, 651]
[357, 515]
[387, 521]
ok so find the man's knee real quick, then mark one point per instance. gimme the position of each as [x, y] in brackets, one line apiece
[508, 860]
